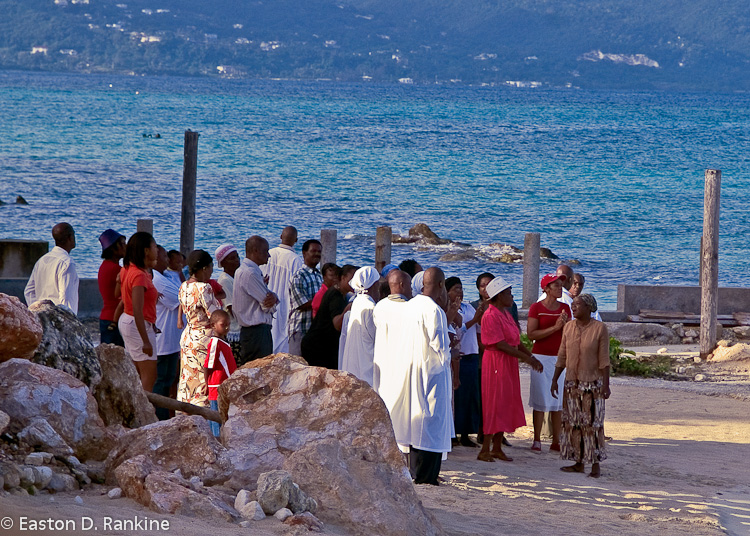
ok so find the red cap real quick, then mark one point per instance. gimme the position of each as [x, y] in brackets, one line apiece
[551, 278]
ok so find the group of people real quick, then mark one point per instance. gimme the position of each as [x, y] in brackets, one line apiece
[444, 368]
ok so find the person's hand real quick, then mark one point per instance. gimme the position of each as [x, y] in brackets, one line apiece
[180, 323]
[148, 349]
[607, 392]
[553, 389]
[454, 306]
[536, 364]
[270, 300]
[481, 308]
[561, 320]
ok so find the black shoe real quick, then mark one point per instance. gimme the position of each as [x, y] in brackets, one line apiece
[467, 442]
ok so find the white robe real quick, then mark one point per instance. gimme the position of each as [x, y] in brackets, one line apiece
[360, 339]
[342, 338]
[431, 383]
[391, 376]
[281, 266]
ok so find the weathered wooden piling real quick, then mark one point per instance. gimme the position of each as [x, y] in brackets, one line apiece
[189, 179]
[531, 261]
[145, 226]
[328, 241]
[383, 238]
[710, 261]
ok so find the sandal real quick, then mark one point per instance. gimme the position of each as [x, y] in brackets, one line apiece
[485, 457]
[536, 446]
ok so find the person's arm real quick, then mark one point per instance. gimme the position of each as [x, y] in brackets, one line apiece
[118, 311]
[29, 293]
[536, 334]
[562, 358]
[180, 320]
[532, 361]
[67, 287]
[297, 294]
[478, 312]
[604, 363]
[139, 294]
[338, 320]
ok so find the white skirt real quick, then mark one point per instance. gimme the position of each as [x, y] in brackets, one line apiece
[540, 398]
[132, 339]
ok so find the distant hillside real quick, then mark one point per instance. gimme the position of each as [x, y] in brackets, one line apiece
[687, 44]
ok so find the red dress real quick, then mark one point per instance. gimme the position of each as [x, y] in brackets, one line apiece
[502, 408]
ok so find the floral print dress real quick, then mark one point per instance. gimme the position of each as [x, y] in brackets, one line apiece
[198, 302]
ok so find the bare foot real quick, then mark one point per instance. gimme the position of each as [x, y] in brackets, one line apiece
[500, 455]
[575, 468]
[485, 457]
[595, 472]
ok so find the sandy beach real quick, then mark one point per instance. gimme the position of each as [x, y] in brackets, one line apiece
[677, 465]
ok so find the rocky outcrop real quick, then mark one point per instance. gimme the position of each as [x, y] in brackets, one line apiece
[332, 433]
[4, 421]
[642, 334]
[65, 345]
[37, 396]
[170, 493]
[119, 394]
[183, 443]
[20, 331]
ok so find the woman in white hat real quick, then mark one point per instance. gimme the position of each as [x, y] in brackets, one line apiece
[502, 407]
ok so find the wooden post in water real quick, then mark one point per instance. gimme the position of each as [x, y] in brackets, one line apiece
[328, 241]
[710, 262]
[145, 225]
[531, 251]
[383, 237]
[189, 179]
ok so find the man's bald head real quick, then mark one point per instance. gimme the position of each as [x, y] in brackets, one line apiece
[567, 271]
[289, 235]
[434, 285]
[399, 282]
[64, 236]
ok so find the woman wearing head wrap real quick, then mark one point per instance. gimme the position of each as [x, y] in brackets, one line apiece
[417, 283]
[359, 348]
[545, 323]
[584, 355]
[197, 302]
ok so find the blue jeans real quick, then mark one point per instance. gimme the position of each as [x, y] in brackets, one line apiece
[109, 333]
[167, 367]
[215, 426]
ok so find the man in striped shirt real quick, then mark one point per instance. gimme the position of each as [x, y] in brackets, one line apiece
[302, 288]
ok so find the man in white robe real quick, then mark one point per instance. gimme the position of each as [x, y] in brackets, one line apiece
[391, 374]
[431, 384]
[281, 266]
[360, 332]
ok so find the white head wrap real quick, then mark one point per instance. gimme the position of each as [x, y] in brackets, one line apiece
[417, 283]
[364, 278]
[223, 251]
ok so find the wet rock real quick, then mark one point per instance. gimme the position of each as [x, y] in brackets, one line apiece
[119, 394]
[282, 514]
[199, 454]
[458, 257]
[253, 511]
[20, 331]
[306, 520]
[332, 433]
[30, 392]
[642, 334]
[21, 201]
[65, 345]
[546, 253]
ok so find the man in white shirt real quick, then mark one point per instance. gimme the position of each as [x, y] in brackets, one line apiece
[431, 383]
[253, 303]
[391, 375]
[281, 267]
[360, 331]
[54, 276]
[575, 290]
[168, 338]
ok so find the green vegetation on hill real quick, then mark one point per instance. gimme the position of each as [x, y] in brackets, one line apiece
[690, 44]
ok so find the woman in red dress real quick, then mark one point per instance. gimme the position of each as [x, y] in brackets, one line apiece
[502, 408]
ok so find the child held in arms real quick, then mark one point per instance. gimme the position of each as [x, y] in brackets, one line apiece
[220, 363]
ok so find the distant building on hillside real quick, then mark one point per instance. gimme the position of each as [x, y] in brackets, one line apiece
[39, 50]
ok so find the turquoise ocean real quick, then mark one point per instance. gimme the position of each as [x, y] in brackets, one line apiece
[611, 179]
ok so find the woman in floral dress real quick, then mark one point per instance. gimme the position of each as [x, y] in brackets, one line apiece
[197, 302]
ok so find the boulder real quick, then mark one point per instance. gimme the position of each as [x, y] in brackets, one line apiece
[274, 489]
[119, 394]
[642, 334]
[307, 520]
[184, 442]
[65, 345]
[39, 433]
[30, 392]
[332, 433]
[737, 352]
[253, 511]
[282, 514]
[169, 493]
[742, 332]
[20, 331]
[4, 421]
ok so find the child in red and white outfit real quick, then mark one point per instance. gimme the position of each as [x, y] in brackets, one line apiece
[220, 363]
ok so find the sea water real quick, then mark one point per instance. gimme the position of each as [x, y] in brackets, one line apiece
[612, 180]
